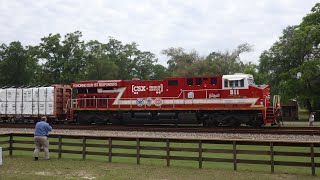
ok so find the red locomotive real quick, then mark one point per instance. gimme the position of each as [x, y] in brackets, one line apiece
[228, 100]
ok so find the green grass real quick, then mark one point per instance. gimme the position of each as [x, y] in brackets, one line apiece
[23, 167]
[179, 165]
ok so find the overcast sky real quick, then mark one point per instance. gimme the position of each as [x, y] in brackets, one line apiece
[202, 25]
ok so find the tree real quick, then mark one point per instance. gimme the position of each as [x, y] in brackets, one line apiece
[293, 62]
[228, 62]
[160, 72]
[16, 64]
[180, 62]
[100, 66]
[64, 60]
[143, 65]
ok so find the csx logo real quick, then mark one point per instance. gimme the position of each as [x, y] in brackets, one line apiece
[136, 89]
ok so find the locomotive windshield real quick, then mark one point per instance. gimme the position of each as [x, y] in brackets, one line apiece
[250, 80]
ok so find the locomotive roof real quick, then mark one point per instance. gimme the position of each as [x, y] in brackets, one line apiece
[191, 77]
[237, 76]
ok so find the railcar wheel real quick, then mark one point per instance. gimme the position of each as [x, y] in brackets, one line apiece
[234, 122]
[256, 122]
[210, 122]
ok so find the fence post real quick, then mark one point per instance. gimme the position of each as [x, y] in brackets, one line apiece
[84, 139]
[60, 147]
[271, 157]
[138, 151]
[200, 154]
[11, 145]
[110, 149]
[313, 167]
[234, 155]
[168, 152]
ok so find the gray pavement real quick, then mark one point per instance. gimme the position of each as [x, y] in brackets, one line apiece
[302, 123]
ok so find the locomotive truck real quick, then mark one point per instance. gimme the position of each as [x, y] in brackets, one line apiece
[228, 100]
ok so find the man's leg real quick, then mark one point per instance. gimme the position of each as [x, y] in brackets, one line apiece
[37, 143]
[45, 145]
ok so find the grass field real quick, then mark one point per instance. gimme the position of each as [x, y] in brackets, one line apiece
[23, 167]
[71, 166]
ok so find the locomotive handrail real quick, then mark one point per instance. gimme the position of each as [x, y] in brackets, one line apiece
[265, 106]
[74, 103]
[276, 103]
[276, 106]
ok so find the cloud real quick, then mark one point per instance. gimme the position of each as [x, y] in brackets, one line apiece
[206, 26]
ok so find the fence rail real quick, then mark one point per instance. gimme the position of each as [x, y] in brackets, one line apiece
[165, 145]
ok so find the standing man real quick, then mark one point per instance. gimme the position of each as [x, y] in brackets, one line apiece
[311, 118]
[41, 138]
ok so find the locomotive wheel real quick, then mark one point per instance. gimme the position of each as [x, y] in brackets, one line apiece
[210, 122]
[234, 122]
[256, 122]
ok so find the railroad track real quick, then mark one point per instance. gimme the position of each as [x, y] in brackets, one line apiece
[185, 129]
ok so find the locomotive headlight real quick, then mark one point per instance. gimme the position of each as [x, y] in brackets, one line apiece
[261, 103]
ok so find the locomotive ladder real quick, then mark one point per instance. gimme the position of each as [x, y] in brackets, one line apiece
[273, 113]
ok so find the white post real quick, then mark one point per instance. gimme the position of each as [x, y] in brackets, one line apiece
[0, 156]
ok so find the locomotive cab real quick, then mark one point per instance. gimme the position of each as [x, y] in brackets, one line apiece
[238, 81]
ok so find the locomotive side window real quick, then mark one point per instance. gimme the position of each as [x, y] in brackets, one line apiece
[233, 83]
[189, 81]
[242, 83]
[198, 81]
[82, 90]
[239, 83]
[92, 90]
[213, 81]
[236, 83]
[250, 81]
[107, 88]
[173, 82]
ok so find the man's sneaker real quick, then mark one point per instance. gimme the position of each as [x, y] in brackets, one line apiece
[36, 158]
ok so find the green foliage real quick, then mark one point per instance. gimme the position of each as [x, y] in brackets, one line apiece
[100, 66]
[64, 60]
[293, 62]
[228, 62]
[117, 61]
[70, 59]
[181, 63]
[17, 64]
